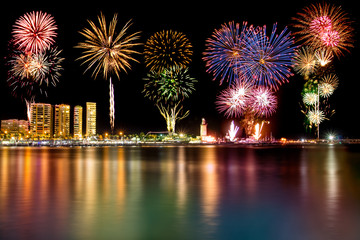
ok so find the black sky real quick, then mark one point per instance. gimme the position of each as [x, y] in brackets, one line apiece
[197, 20]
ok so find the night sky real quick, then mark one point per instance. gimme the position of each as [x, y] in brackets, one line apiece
[134, 113]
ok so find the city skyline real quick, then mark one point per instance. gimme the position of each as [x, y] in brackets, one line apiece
[75, 87]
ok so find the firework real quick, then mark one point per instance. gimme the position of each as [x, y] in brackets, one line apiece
[34, 32]
[173, 84]
[20, 65]
[224, 50]
[305, 61]
[325, 26]
[328, 84]
[112, 105]
[232, 131]
[167, 49]
[331, 79]
[310, 98]
[234, 100]
[37, 67]
[315, 117]
[323, 56]
[267, 60]
[326, 89]
[106, 51]
[263, 102]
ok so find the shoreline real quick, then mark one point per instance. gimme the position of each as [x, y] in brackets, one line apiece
[117, 143]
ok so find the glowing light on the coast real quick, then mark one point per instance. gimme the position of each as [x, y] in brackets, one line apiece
[257, 132]
[34, 32]
[233, 131]
[167, 49]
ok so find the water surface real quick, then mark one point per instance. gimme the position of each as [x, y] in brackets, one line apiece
[180, 192]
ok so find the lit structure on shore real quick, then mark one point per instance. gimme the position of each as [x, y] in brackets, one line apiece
[41, 121]
[233, 131]
[15, 128]
[203, 128]
[78, 115]
[62, 121]
[90, 119]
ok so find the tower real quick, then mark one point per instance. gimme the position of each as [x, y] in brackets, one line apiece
[203, 128]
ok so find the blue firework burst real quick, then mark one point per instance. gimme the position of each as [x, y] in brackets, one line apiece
[223, 51]
[266, 60]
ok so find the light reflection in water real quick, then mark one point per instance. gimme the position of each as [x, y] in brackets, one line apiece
[178, 193]
[210, 187]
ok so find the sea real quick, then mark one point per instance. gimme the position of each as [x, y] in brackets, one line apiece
[275, 192]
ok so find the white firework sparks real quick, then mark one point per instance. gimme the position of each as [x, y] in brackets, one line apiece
[310, 98]
[315, 117]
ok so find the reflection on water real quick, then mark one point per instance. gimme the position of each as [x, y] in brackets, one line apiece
[207, 192]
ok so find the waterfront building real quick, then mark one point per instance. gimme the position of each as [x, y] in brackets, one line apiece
[41, 121]
[90, 119]
[78, 117]
[62, 121]
[203, 128]
[14, 128]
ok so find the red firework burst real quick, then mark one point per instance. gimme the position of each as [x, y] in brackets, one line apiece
[325, 26]
[34, 32]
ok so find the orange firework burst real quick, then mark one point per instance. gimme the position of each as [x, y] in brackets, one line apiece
[325, 26]
[166, 49]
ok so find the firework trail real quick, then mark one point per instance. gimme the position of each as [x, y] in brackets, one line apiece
[167, 49]
[108, 52]
[224, 50]
[112, 105]
[267, 60]
[34, 32]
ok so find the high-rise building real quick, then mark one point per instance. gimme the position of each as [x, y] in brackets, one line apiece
[41, 120]
[90, 119]
[62, 121]
[78, 115]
